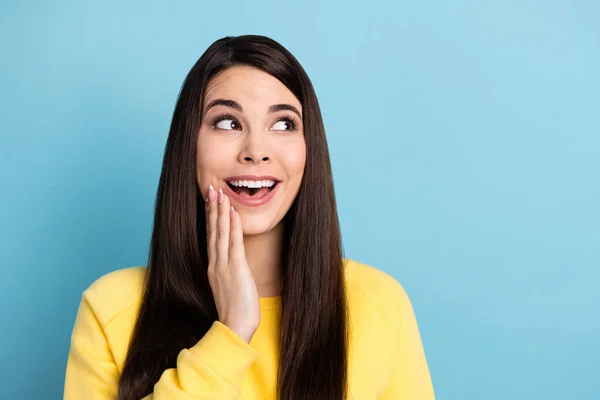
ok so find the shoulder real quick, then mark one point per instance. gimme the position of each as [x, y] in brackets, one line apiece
[367, 284]
[114, 292]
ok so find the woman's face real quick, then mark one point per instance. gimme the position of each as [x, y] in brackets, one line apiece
[251, 145]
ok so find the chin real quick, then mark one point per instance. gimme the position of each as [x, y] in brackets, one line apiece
[255, 224]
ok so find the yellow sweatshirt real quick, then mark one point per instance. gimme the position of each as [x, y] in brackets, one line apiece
[386, 357]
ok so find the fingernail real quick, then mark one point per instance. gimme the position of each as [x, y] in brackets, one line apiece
[211, 193]
[206, 208]
[232, 213]
[220, 196]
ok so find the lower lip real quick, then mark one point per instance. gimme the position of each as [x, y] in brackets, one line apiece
[249, 201]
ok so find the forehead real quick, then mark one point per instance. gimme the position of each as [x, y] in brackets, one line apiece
[249, 86]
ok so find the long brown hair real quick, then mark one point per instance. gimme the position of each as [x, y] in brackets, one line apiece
[178, 308]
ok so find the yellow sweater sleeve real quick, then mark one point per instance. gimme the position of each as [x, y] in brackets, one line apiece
[410, 378]
[213, 368]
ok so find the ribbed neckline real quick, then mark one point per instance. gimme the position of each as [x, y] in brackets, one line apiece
[268, 303]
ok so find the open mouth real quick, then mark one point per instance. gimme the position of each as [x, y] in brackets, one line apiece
[252, 189]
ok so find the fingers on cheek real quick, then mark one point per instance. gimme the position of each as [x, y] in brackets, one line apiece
[226, 203]
[235, 221]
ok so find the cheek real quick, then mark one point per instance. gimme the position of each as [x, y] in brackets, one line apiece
[211, 159]
[295, 159]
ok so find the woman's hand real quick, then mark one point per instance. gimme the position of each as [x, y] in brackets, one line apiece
[229, 274]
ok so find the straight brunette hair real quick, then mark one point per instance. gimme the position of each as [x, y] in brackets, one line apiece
[177, 306]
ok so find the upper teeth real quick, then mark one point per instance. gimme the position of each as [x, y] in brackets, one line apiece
[253, 184]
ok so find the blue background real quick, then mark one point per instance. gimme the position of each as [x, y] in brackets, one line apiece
[465, 142]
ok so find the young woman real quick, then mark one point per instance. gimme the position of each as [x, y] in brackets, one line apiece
[246, 294]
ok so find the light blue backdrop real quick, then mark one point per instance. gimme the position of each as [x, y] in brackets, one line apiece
[465, 140]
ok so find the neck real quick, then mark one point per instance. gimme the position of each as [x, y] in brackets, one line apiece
[263, 254]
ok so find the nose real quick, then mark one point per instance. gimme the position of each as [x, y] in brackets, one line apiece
[250, 160]
[254, 150]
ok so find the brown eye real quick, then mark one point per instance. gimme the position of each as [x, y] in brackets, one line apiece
[227, 124]
[283, 125]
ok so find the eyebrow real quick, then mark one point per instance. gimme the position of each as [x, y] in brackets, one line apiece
[237, 106]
